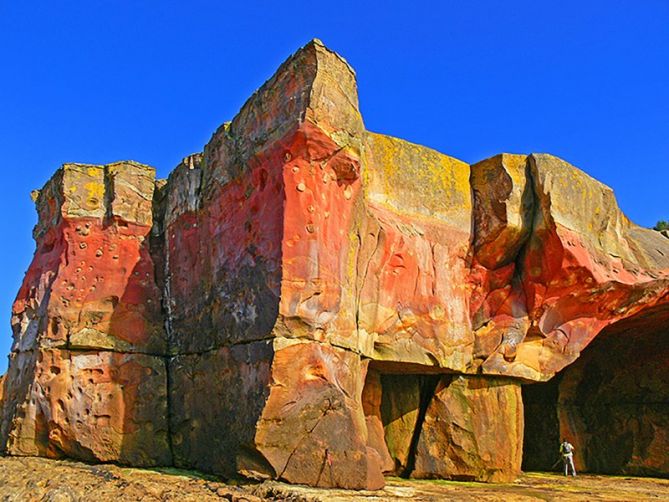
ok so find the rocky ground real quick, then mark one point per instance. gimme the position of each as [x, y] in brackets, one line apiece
[37, 479]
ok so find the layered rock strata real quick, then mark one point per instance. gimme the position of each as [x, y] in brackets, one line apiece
[313, 302]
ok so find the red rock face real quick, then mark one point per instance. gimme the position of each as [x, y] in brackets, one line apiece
[580, 267]
[85, 377]
[326, 304]
[91, 284]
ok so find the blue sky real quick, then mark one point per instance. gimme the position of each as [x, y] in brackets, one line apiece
[98, 81]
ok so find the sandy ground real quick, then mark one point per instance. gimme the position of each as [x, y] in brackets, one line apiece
[37, 479]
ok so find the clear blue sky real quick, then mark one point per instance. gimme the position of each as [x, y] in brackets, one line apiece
[98, 81]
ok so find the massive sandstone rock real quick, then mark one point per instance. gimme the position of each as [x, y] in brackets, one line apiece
[86, 376]
[2, 391]
[309, 301]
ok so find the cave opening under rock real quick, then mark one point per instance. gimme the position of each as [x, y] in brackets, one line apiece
[431, 425]
[612, 403]
[404, 403]
[395, 400]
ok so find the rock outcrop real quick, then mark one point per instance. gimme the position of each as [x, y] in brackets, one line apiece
[312, 302]
[87, 375]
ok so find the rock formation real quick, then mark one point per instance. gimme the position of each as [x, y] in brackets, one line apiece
[312, 302]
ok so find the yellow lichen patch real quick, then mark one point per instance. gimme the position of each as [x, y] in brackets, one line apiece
[84, 189]
[582, 204]
[417, 180]
[94, 194]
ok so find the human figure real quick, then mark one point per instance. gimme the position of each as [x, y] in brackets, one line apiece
[567, 452]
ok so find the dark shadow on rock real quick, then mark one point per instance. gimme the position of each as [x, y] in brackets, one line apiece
[141, 378]
[612, 403]
[542, 428]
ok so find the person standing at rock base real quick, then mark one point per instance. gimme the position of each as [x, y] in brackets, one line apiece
[567, 452]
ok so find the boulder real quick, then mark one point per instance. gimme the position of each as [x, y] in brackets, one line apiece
[411, 266]
[91, 283]
[313, 429]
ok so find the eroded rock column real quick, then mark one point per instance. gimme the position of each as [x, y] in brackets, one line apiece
[87, 378]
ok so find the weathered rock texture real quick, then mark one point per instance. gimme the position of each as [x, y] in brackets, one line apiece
[87, 377]
[312, 302]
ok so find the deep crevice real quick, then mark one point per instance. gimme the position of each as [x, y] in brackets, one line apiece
[428, 385]
[405, 398]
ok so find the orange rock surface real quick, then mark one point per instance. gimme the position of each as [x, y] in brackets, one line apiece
[312, 302]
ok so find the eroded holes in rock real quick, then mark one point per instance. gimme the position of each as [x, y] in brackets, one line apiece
[395, 404]
[55, 325]
[612, 403]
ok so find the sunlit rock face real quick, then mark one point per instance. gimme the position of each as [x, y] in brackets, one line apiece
[87, 376]
[309, 301]
[580, 265]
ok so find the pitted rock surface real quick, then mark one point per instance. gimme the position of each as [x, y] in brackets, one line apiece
[312, 302]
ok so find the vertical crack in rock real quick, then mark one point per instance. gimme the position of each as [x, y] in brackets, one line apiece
[108, 179]
[327, 409]
[529, 214]
[428, 384]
